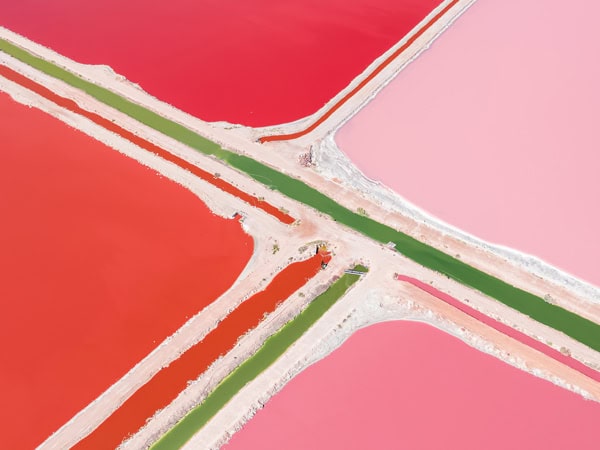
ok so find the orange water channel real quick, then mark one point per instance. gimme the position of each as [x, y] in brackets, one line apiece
[101, 259]
[169, 382]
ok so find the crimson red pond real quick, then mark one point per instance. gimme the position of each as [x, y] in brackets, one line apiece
[259, 62]
[436, 392]
[101, 260]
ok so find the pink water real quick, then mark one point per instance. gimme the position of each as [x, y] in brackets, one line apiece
[408, 385]
[101, 260]
[547, 350]
[494, 129]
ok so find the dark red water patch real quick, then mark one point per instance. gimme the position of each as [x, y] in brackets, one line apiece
[147, 145]
[376, 71]
[169, 382]
[257, 63]
[101, 260]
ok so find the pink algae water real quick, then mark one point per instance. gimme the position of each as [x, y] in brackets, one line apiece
[494, 130]
[101, 259]
[409, 385]
[258, 62]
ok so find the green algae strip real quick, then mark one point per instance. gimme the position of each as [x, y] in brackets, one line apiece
[579, 328]
[141, 114]
[266, 355]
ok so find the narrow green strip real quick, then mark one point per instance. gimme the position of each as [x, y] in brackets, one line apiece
[108, 97]
[271, 350]
[579, 328]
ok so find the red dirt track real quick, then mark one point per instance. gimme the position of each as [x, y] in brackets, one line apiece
[169, 382]
[131, 137]
[255, 63]
[101, 260]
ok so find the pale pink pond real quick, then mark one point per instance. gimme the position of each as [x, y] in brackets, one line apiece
[407, 385]
[494, 129]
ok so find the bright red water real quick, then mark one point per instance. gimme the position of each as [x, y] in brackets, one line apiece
[101, 260]
[409, 385]
[257, 63]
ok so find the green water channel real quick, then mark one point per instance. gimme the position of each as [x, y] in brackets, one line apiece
[579, 328]
[266, 355]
